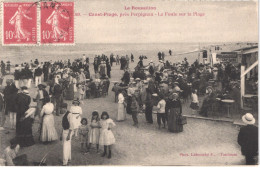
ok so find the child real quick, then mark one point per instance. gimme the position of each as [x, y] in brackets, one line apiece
[76, 111]
[81, 91]
[161, 111]
[83, 133]
[106, 136]
[94, 130]
[194, 102]
[10, 155]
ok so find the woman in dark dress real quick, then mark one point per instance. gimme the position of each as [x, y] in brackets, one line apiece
[174, 109]
[208, 103]
[23, 125]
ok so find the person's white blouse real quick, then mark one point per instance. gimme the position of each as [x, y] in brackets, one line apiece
[161, 106]
[76, 110]
[48, 108]
[194, 98]
[121, 98]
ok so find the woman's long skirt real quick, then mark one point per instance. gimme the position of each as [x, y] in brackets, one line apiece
[70, 92]
[173, 125]
[24, 132]
[121, 114]
[48, 132]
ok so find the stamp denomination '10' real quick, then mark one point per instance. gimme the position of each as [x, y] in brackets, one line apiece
[19, 23]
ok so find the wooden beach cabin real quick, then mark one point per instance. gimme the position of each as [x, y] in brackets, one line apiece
[249, 71]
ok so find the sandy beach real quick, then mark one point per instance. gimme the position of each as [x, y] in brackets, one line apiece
[18, 54]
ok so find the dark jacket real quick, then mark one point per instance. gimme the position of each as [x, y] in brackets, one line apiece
[57, 91]
[9, 97]
[12, 99]
[46, 96]
[38, 72]
[134, 105]
[26, 73]
[126, 77]
[22, 105]
[45, 68]
[16, 75]
[248, 140]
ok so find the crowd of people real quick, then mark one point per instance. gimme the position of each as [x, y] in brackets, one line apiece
[159, 89]
[183, 80]
[66, 80]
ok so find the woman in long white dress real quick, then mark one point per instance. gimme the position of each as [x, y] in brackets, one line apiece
[121, 112]
[48, 131]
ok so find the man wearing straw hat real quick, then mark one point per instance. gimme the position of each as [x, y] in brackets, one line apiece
[57, 95]
[248, 139]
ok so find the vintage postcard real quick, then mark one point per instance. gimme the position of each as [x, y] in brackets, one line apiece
[129, 83]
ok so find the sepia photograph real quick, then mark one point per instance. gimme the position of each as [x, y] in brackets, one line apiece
[128, 83]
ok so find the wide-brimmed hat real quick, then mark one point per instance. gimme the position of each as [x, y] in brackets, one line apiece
[76, 101]
[24, 88]
[25, 91]
[210, 88]
[41, 85]
[155, 94]
[148, 79]
[173, 94]
[145, 81]
[248, 118]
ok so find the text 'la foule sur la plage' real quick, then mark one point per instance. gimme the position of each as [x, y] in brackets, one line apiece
[142, 11]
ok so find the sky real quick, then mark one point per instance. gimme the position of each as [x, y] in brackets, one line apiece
[227, 21]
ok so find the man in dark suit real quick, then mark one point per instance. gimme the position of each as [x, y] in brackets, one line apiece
[37, 75]
[57, 95]
[45, 70]
[8, 91]
[248, 139]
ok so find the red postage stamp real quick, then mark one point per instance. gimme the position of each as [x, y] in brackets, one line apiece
[57, 22]
[19, 23]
